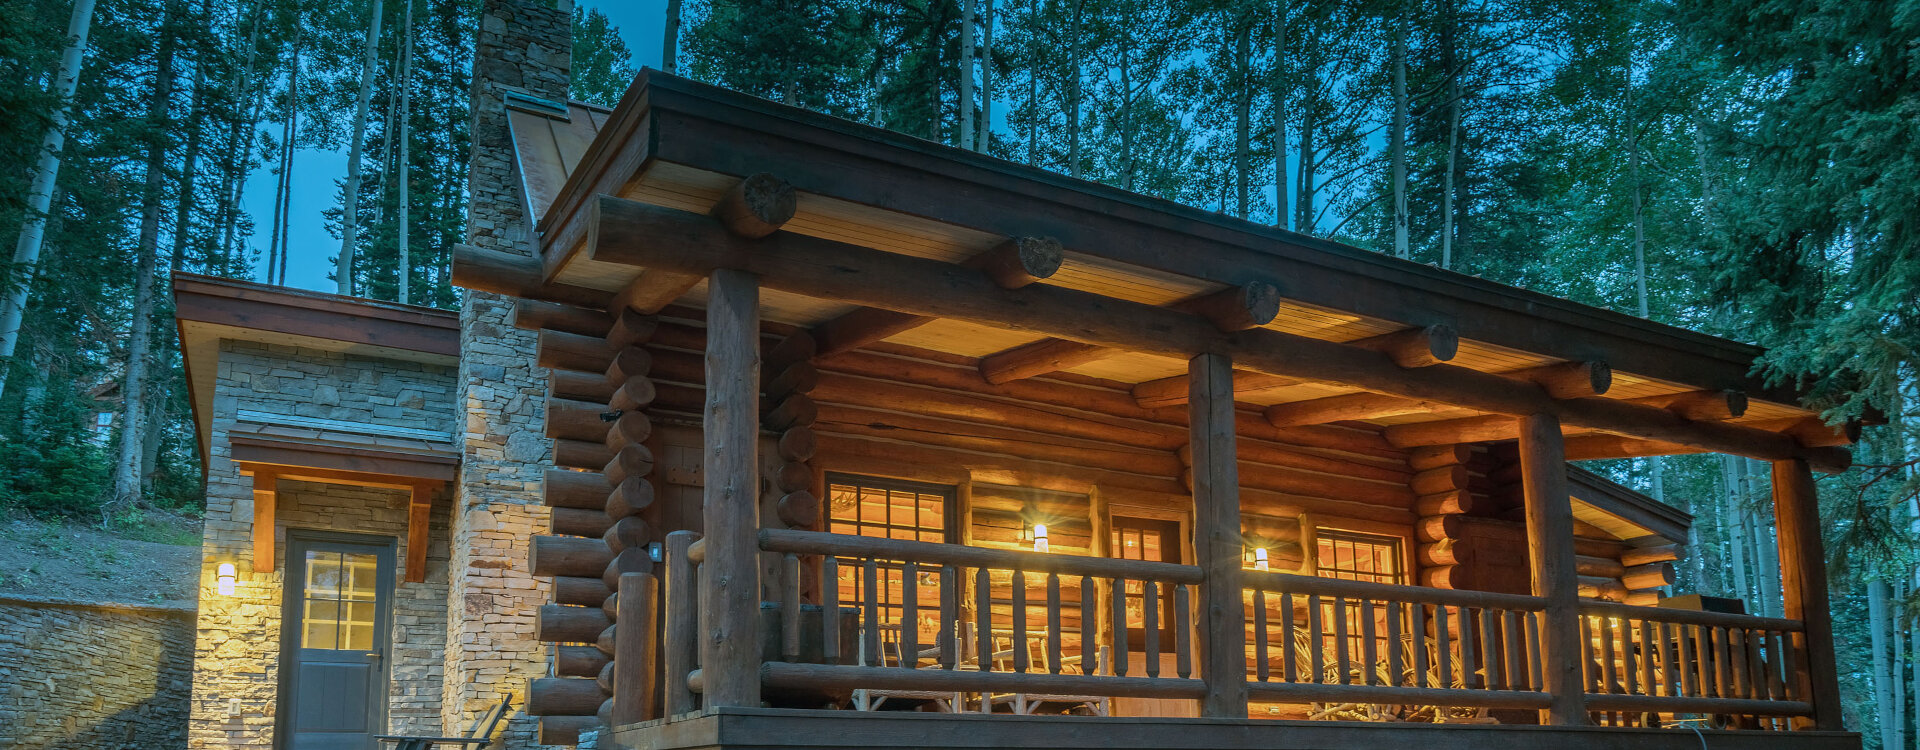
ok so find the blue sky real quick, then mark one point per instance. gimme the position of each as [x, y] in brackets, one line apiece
[317, 173]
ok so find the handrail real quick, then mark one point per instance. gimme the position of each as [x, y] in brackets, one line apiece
[1690, 616]
[1299, 584]
[847, 545]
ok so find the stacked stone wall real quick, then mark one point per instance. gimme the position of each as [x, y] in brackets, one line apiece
[237, 649]
[522, 46]
[92, 676]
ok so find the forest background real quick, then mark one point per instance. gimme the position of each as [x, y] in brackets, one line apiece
[1749, 168]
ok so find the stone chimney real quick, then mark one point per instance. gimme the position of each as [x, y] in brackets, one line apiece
[522, 46]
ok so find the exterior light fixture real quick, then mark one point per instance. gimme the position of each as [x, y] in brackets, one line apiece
[1039, 537]
[1259, 558]
[225, 577]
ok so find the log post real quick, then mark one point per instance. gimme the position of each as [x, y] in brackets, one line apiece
[729, 579]
[1803, 584]
[1543, 474]
[633, 685]
[682, 625]
[1216, 538]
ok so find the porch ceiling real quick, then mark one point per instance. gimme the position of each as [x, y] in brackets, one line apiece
[659, 149]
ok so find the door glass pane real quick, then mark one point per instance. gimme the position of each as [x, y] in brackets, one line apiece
[340, 607]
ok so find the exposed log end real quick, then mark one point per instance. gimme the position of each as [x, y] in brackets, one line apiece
[1249, 305]
[1416, 347]
[1021, 261]
[567, 556]
[563, 696]
[1570, 379]
[565, 730]
[556, 623]
[512, 275]
[757, 206]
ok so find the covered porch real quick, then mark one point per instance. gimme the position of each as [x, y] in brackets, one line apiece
[1131, 461]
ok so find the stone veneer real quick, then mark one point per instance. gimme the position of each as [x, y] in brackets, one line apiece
[89, 676]
[237, 650]
[522, 46]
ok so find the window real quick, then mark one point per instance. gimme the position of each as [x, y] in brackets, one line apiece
[341, 590]
[890, 509]
[1356, 556]
[1158, 541]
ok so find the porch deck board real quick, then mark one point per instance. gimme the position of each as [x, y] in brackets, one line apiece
[770, 728]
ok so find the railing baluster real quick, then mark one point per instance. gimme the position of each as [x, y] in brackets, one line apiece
[1053, 624]
[1536, 670]
[1468, 670]
[1443, 645]
[1609, 678]
[1022, 658]
[790, 607]
[1260, 634]
[1150, 624]
[1183, 634]
[1341, 647]
[830, 608]
[1646, 658]
[1317, 641]
[1089, 629]
[1490, 649]
[910, 614]
[1289, 660]
[1117, 599]
[983, 619]
[871, 598]
[1689, 680]
[1629, 665]
[1776, 679]
[1514, 638]
[1723, 655]
[1394, 662]
[1589, 655]
[1368, 648]
[949, 616]
[1737, 658]
[1418, 627]
[1664, 653]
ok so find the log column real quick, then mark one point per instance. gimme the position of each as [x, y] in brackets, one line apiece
[1803, 585]
[729, 579]
[1543, 474]
[1216, 535]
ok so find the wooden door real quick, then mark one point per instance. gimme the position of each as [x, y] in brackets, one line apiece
[338, 614]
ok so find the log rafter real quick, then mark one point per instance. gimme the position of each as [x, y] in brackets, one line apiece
[1012, 264]
[1232, 309]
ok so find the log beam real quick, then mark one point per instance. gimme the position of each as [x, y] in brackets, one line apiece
[1350, 406]
[1172, 391]
[513, 275]
[1232, 309]
[635, 233]
[1702, 405]
[1416, 347]
[1012, 264]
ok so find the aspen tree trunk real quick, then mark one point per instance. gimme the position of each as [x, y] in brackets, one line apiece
[1450, 64]
[1033, 121]
[983, 133]
[1656, 464]
[1126, 111]
[350, 206]
[1730, 471]
[670, 39]
[182, 229]
[240, 144]
[293, 132]
[1767, 553]
[1242, 110]
[1878, 622]
[1073, 92]
[133, 407]
[403, 257]
[46, 173]
[1279, 96]
[966, 75]
[1895, 622]
[1399, 137]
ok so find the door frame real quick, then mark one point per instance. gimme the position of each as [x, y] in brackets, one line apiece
[292, 580]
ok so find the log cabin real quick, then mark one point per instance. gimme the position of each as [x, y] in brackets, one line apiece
[885, 442]
[778, 430]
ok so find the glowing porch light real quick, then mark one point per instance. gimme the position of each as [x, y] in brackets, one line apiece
[1040, 537]
[225, 577]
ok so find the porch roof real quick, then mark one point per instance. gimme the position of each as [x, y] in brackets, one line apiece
[679, 144]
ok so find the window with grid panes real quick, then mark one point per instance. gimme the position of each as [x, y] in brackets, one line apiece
[890, 509]
[1357, 556]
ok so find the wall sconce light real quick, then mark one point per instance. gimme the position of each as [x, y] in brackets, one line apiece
[1259, 558]
[1040, 537]
[225, 577]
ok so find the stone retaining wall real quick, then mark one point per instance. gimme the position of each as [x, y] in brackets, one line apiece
[93, 675]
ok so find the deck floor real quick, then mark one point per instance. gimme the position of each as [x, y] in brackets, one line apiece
[769, 728]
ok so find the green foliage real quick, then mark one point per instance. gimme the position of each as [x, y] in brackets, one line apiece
[602, 67]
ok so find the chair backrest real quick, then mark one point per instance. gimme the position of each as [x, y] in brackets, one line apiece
[484, 724]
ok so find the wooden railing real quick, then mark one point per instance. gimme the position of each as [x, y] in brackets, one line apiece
[921, 617]
[1030, 627]
[1650, 659]
[1333, 642]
